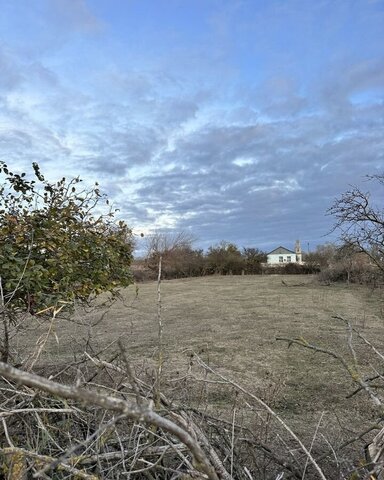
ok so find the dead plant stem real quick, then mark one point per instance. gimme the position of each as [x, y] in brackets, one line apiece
[159, 340]
[269, 409]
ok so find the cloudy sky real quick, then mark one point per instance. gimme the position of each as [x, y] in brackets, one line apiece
[237, 120]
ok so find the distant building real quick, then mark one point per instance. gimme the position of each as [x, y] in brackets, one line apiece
[282, 255]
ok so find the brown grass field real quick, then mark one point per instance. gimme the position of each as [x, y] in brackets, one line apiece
[232, 322]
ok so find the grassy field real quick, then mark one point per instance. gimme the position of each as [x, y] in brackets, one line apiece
[232, 322]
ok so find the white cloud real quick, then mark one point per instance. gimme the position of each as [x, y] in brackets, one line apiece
[210, 132]
[243, 161]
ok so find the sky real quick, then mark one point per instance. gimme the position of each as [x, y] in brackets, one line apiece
[235, 120]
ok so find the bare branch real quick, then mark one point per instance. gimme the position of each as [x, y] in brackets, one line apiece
[131, 410]
[352, 372]
[48, 460]
[270, 411]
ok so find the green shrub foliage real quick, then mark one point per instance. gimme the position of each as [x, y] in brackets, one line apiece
[55, 246]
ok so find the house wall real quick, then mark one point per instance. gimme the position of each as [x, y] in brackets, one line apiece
[274, 259]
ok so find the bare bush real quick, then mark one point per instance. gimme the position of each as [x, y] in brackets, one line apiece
[179, 259]
[361, 222]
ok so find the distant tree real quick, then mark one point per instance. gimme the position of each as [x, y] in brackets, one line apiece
[186, 262]
[347, 260]
[253, 258]
[322, 257]
[224, 258]
[55, 248]
[360, 222]
[179, 259]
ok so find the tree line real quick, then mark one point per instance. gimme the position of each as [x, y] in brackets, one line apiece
[180, 259]
[357, 256]
[333, 262]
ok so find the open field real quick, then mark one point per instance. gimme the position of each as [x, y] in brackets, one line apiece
[232, 323]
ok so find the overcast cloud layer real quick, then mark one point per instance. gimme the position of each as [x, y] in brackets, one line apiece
[235, 120]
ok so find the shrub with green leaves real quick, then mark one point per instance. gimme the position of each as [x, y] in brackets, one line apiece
[55, 245]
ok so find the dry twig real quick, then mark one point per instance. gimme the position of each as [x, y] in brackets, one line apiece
[143, 413]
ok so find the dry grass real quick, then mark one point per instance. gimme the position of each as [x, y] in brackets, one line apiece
[232, 322]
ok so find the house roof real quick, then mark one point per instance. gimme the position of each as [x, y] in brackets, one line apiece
[280, 251]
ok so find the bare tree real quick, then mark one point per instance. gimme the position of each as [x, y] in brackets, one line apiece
[165, 243]
[361, 222]
[177, 253]
[323, 256]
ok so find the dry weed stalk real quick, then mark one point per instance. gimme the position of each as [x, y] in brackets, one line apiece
[269, 410]
[160, 358]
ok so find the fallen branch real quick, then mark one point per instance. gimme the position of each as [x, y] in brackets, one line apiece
[8, 413]
[348, 442]
[142, 413]
[181, 418]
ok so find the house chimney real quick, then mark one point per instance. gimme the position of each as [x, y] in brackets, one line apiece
[299, 258]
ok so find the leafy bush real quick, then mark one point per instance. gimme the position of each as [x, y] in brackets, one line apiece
[55, 248]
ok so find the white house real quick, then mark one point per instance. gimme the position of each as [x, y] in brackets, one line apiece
[281, 255]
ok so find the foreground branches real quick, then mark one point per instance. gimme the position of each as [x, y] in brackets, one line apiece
[142, 413]
[375, 449]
